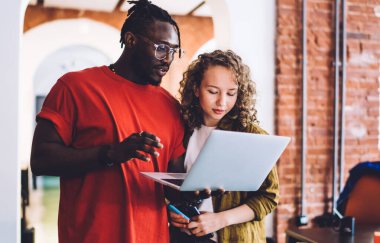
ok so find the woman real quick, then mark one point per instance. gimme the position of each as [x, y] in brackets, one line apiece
[217, 93]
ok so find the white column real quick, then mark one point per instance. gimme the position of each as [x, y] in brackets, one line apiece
[248, 28]
[11, 22]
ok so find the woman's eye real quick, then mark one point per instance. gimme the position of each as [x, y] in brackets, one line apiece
[212, 91]
[231, 94]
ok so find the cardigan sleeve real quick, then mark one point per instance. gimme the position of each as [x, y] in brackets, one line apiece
[264, 200]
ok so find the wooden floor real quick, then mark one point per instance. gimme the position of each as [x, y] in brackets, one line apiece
[42, 213]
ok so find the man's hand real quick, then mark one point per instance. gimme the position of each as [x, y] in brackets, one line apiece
[204, 194]
[137, 145]
[178, 220]
[51, 156]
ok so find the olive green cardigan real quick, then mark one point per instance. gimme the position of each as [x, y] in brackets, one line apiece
[262, 202]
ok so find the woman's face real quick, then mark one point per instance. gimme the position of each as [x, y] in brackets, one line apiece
[217, 94]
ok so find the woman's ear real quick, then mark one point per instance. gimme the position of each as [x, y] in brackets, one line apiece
[196, 92]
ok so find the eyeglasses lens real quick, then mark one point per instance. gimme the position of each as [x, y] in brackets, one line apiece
[163, 50]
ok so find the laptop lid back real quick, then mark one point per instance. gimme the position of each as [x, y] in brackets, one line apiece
[234, 161]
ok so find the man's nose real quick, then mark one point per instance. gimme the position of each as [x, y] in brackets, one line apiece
[168, 58]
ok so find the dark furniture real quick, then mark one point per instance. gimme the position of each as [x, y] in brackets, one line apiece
[363, 234]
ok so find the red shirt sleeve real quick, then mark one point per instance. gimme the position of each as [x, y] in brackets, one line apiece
[59, 108]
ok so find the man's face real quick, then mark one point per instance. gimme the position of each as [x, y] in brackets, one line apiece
[145, 64]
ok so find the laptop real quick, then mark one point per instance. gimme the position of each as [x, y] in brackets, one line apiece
[234, 161]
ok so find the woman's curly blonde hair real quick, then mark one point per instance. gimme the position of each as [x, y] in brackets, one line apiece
[242, 114]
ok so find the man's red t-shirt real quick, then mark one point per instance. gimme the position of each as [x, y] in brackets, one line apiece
[94, 107]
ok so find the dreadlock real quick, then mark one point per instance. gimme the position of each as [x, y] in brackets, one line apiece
[142, 13]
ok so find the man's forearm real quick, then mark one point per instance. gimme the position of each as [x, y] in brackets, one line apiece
[54, 159]
[51, 156]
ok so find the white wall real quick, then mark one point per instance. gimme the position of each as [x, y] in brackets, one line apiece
[248, 28]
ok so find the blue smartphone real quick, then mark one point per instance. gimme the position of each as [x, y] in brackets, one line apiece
[177, 211]
[191, 210]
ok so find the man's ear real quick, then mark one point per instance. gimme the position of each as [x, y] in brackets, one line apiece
[129, 39]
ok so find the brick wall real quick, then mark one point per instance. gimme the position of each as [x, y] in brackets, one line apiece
[362, 102]
[202, 26]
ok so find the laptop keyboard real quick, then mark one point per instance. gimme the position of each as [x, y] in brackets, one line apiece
[177, 182]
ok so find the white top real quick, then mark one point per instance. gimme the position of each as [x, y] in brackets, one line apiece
[196, 142]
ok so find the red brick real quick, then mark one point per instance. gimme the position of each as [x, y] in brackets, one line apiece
[362, 99]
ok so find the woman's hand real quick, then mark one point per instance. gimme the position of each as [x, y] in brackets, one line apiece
[211, 222]
[206, 223]
[204, 194]
[177, 220]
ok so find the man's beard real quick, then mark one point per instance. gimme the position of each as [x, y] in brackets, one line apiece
[154, 82]
[144, 76]
[148, 80]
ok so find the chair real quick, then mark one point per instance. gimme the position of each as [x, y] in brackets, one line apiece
[360, 197]
[364, 200]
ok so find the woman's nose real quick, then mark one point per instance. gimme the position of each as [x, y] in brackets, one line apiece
[222, 100]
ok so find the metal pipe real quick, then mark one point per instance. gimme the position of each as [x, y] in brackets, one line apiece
[304, 104]
[336, 107]
[343, 94]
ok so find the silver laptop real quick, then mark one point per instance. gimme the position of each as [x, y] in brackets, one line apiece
[234, 161]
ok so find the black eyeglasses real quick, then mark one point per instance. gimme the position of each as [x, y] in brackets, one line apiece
[163, 50]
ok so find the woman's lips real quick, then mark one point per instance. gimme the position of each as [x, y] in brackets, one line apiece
[218, 111]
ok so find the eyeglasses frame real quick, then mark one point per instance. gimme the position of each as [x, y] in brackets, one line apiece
[172, 50]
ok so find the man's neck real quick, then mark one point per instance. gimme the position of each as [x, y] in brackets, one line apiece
[125, 72]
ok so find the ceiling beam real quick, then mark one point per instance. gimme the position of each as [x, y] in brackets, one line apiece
[196, 8]
[118, 5]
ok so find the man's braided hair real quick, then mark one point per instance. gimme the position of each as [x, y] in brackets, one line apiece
[143, 13]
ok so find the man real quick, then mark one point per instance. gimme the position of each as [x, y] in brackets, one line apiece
[101, 126]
